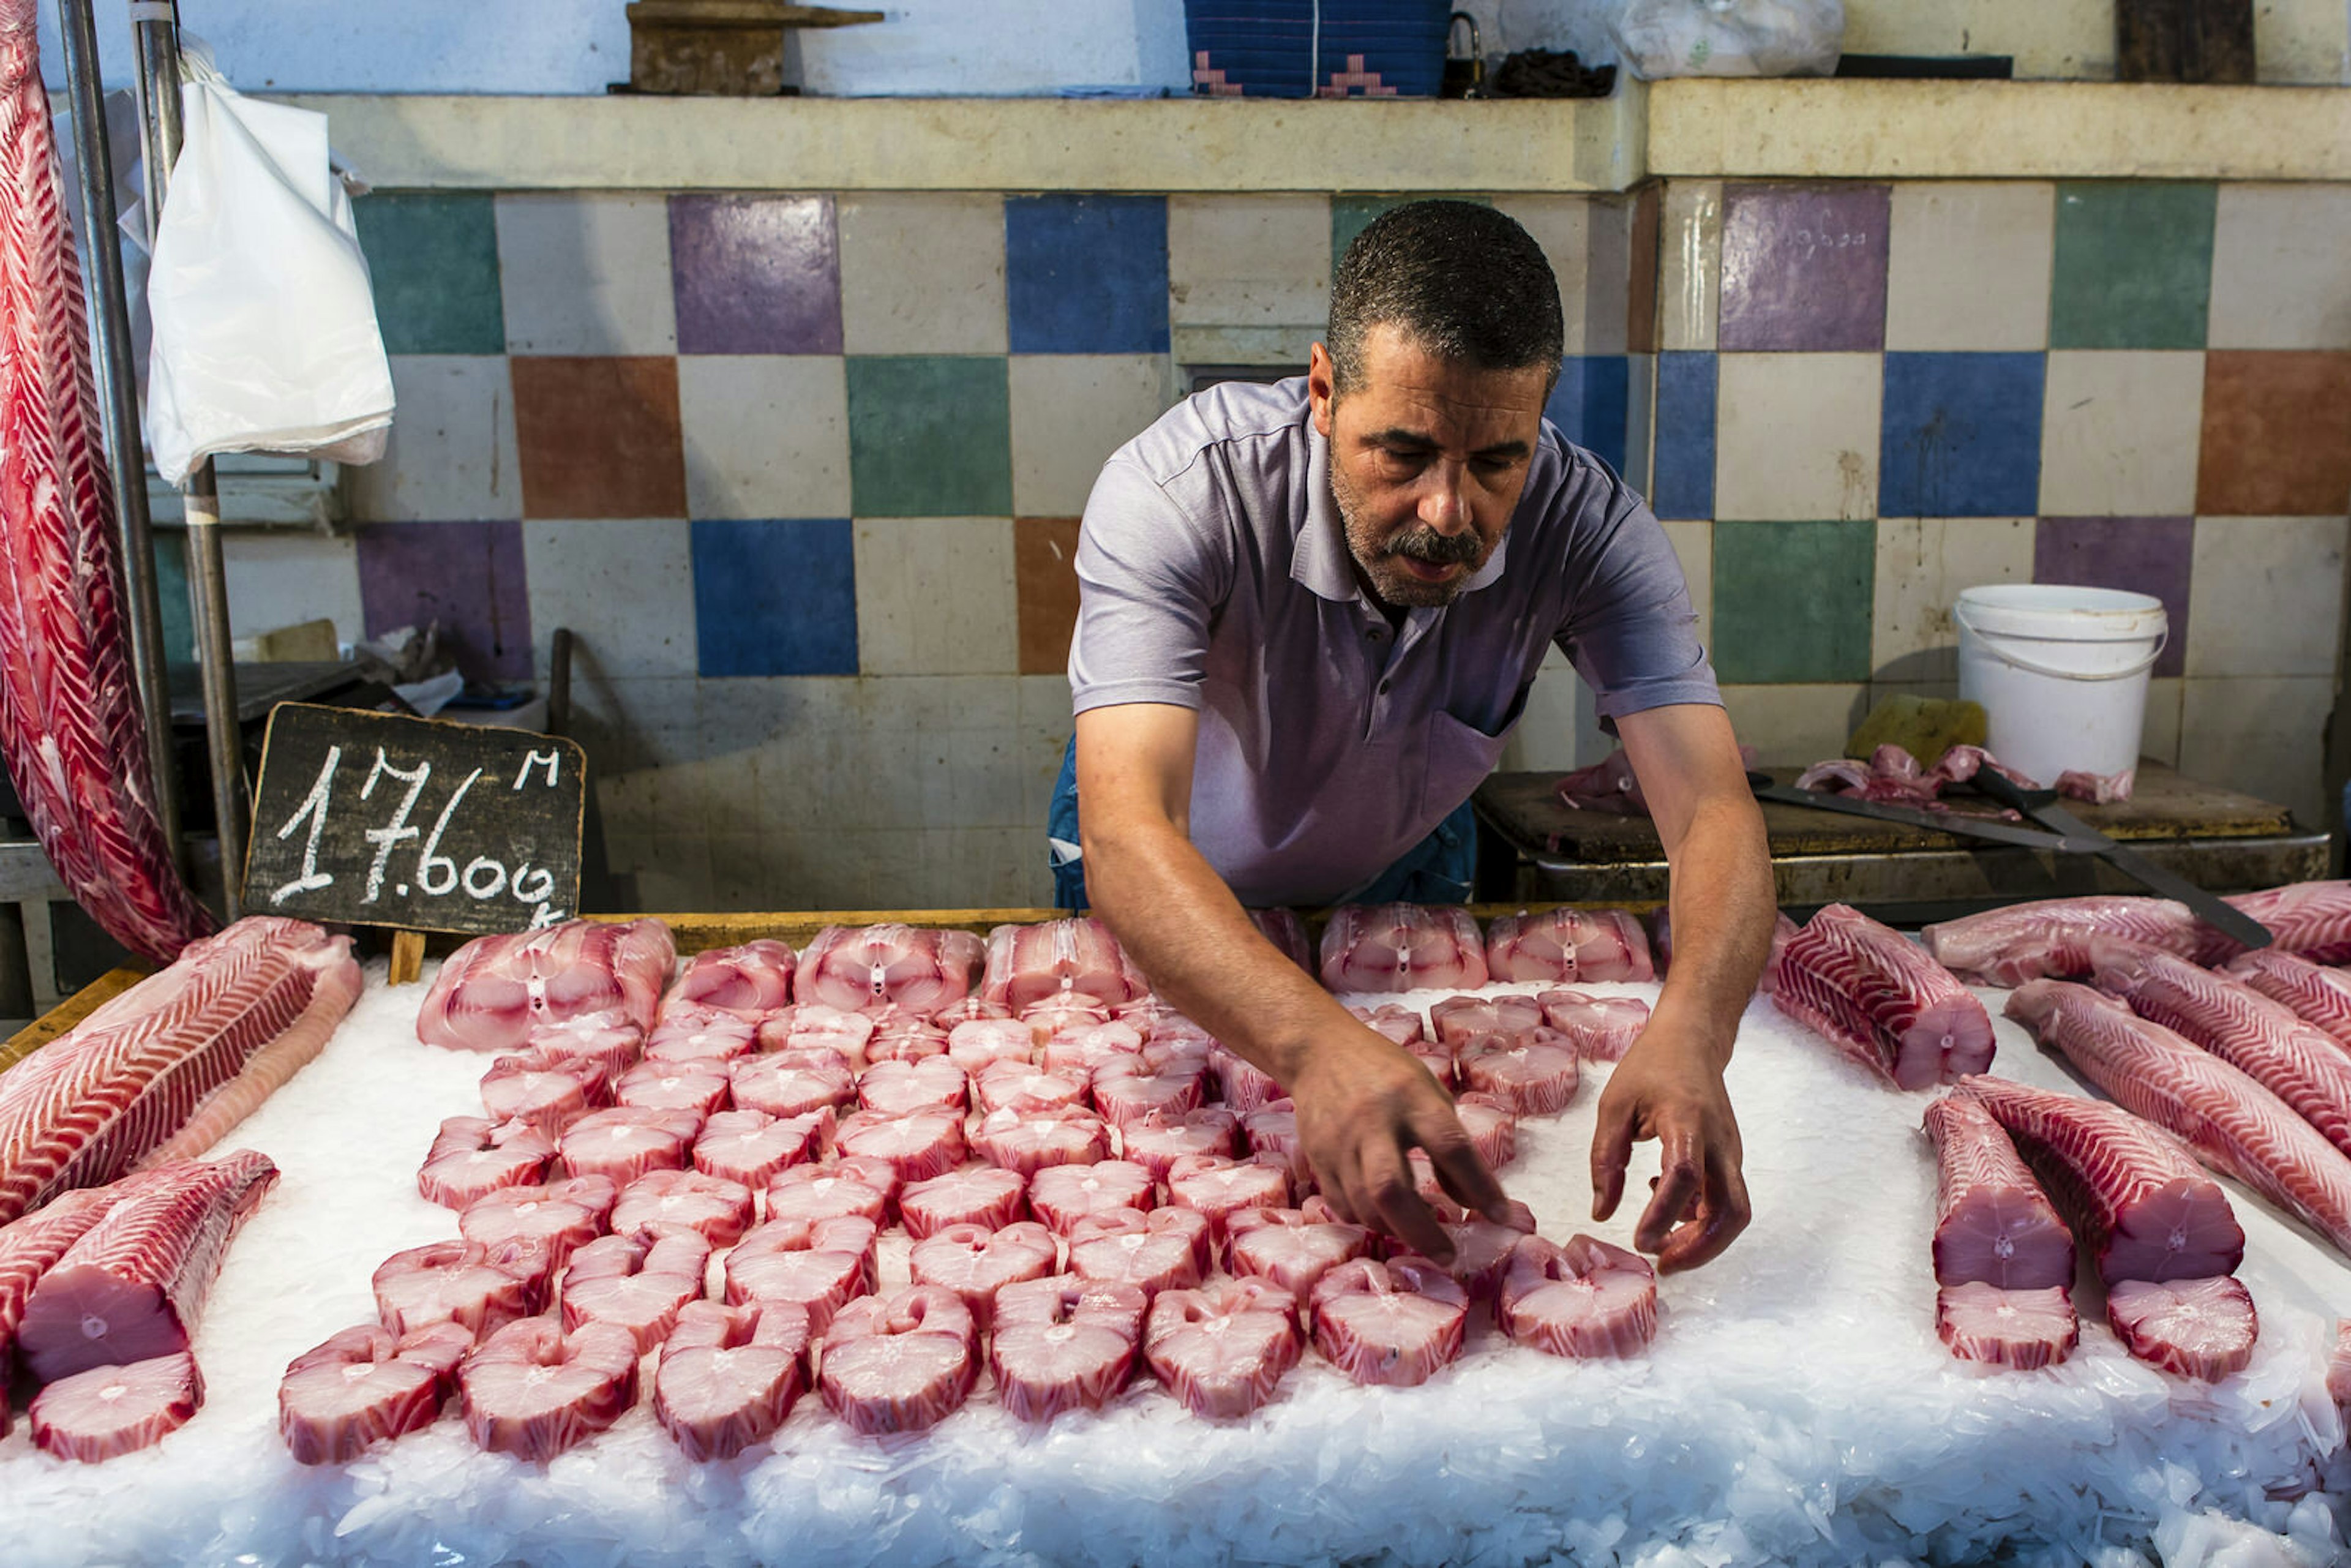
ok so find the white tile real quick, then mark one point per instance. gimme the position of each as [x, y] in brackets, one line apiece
[1545, 740]
[2120, 432]
[1795, 725]
[2280, 278]
[586, 273]
[767, 435]
[2265, 596]
[1694, 547]
[2265, 735]
[1968, 265]
[1588, 242]
[278, 579]
[1922, 565]
[1069, 413]
[625, 587]
[451, 457]
[922, 273]
[1248, 261]
[1797, 436]
[1689, 265]
[935, 596]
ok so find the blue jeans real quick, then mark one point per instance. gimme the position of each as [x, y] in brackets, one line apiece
[1438, 870]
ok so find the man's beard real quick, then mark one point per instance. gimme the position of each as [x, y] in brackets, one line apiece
[1421, 542]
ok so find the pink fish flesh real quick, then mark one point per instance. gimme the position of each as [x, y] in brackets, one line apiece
[1871, 993]
[2319, 996]
[2308, 919]
[2203, 1329]
[637, 1286]
[1027, 963]
[2023, 1330]
[692, 1202]
[1601, 1029]
[1570, 945]
[1284, 1246]
[534, 1390]
[980, 1196]
[72, 724]
[1061, 1196]
[1608, 785]
[109, 1410]
[1993, 1225]
[755, 977]
[2052, 935]
[365, 1385]
[729, 1375]
[900, 1364]
[169, 1056]
[1402, 947]
[2260, 1038]
[1586, 1299]
[1393, 1325]
[491, 992]
[28, 1246]
[1224, 1348]
[1287, 933]
[2231, 1121]
[920, 968]
[1063, 1343]
[975, 1262]
[2133, 1195]
[134, 1285]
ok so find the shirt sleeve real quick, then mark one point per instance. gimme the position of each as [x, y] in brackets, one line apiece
[1630, 631]
[1152, 572]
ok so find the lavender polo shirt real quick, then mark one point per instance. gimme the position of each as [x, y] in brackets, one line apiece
[1214, 574]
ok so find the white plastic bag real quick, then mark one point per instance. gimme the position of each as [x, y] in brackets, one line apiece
[265, 327]
[1731, 38]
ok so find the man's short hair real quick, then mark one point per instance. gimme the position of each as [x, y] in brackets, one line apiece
[1462, 280]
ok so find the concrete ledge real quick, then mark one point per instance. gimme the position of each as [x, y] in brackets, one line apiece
[1926, 130]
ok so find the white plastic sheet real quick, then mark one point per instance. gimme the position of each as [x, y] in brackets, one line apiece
[265, 327]
[1731, 38]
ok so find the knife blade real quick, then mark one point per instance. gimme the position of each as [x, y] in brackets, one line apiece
[1933, 822]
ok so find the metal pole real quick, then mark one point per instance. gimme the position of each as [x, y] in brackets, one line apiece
[156, 27]
[117, 405]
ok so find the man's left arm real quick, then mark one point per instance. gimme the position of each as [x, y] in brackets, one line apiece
[1669, 1086]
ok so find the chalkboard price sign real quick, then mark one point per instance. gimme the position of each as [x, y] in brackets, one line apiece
[373, 819]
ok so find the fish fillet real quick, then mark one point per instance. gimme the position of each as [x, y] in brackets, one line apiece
[1993, 1225]
[134, 1285]
[2319, 996]
[2052, 935]
[919, 968]
[2144, 1206]
[1874, 996]
[2259, 1038]
[493, 991]
[1027, 963]
[2232, 1123]
[72, 730]
[30, 1245]
[153, 1061]
[1402, 947]
[1570, 945]
[2308, 919]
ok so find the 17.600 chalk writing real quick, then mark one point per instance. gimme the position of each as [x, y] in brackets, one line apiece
[436, 875]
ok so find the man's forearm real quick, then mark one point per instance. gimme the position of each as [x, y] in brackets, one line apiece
[1723, 906]
[1190, 936]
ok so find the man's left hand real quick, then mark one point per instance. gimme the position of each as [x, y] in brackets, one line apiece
[1669, 1088]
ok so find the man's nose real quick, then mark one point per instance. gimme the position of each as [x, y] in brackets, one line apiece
[1444, 499]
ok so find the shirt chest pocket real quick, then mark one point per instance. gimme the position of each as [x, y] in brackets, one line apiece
[1461, 753]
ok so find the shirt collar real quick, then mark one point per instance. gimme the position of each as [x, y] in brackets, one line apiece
[1320, 559]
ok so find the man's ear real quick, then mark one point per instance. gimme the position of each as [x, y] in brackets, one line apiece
[1322, 387]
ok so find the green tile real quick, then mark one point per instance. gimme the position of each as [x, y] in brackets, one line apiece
[2133, 264]
[1351, 215]
[1791, 600]
[930, 436]
[172, 593]
[434, 260]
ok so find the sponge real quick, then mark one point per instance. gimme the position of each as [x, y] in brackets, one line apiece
[1924, 727]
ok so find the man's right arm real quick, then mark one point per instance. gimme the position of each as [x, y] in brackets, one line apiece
[1362, 1100]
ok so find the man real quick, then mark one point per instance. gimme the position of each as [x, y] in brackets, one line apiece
[1309, 616]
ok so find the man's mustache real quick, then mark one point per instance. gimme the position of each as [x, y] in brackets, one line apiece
[1425, 544]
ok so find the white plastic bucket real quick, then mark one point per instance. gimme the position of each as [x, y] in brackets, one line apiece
[2062, 672]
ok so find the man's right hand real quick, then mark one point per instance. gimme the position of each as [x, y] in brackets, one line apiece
[1362, 1101]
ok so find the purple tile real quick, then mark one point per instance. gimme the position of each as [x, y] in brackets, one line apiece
[756, 275]
[1803, 268]
[2141, 555]
[467, 576]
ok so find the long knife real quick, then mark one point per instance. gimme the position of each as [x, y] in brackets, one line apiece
[1933, 822]
[2040, 805]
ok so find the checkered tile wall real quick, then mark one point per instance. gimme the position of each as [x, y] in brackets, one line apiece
[801, 471]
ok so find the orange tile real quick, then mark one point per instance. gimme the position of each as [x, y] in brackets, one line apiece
[1641, 295]
[1045, 566]
[598, 437]
[2277, 435]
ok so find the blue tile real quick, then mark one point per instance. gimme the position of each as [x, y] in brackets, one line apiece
[775, 596]
[1590, 405]
[1086, 275]
[1684, 485]
[1961, 436]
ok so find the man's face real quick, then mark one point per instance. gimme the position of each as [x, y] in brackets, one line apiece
[1427, 458]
